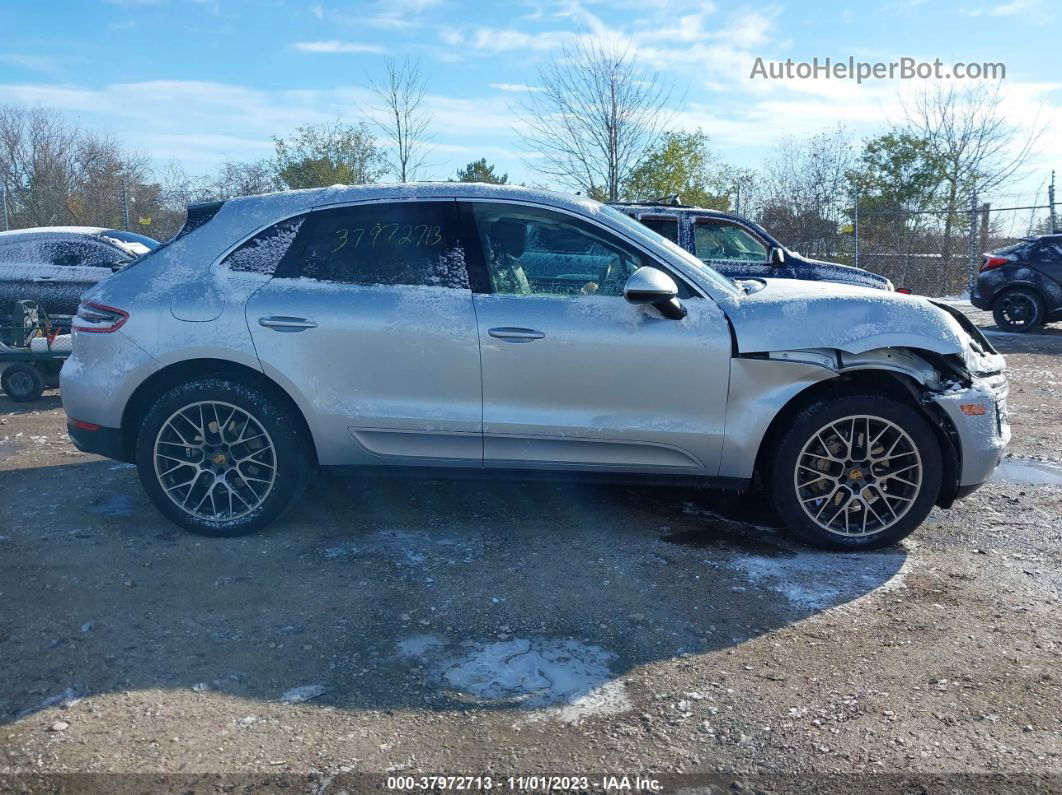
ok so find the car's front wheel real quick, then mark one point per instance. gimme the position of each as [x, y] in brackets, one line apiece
[857, 471]
[1018, 310]
[221, 457]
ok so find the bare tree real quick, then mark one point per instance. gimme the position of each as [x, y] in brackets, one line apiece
[979, 148]
[803, 190]
[58, 173]
[403, 118]
[595, 119]
[234, 178]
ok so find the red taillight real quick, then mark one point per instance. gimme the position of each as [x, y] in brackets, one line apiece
[993, 262]
[904, 290]
[98, 318]
[85, 426]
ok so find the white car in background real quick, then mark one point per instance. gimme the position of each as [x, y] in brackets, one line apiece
[54, 265]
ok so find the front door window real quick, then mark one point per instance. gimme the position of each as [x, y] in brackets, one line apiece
[537, 252]
[720, 241]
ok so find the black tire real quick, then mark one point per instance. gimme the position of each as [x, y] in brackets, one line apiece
[22, 383]
[1018, 310]
[291, 459]
[782, 483]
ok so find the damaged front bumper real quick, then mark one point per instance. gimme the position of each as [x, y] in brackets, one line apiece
[978, 413]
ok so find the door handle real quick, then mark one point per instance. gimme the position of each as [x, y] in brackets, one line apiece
[509, 334]
[282, 323]
[42, 278]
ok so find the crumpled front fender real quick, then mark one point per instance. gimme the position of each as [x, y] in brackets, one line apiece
[791, 315]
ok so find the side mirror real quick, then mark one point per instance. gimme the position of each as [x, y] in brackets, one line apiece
[776, 256]
[652, 286]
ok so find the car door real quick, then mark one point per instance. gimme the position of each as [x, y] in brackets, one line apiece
[25, 273]
[574, 376]
[369, 321]
[733, 250]
[76, 265]
[1046, 257]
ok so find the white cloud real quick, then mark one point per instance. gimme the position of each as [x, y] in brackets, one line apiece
[205, 123]
[515, 87]
[334, 46]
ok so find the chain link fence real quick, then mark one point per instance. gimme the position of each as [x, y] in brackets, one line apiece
[928, 251]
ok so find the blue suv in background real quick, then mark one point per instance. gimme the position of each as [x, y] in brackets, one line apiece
[739, 248]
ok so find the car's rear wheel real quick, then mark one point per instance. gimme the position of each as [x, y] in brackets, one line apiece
[221, 457]
[856, 472]
[1018, 310]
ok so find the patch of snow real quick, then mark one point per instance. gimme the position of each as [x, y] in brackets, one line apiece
[569, 675]
[67, 698]
[819, 580]
[964, 298]
[298, 695]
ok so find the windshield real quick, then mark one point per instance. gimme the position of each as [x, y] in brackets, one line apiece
[705, 270]
[141, 243]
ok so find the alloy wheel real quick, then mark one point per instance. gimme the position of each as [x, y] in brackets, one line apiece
[858, 476]
[1018, 309]
[215, 461]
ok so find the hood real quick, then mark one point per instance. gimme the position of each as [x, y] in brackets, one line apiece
[788, 314]
[849, 274]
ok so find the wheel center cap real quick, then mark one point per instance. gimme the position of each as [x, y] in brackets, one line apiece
[219, 459]
[856, 474]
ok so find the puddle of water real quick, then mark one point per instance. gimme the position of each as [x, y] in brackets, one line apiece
[817, 580]
[740, 509]
[1035, 473]
[721, 534]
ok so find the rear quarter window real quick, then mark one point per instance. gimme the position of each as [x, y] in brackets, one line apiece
[264, 252]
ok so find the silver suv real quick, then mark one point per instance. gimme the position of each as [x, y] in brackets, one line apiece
[456, 326]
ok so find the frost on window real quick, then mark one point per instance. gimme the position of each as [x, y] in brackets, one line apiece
[263, 252]
[449, 270]
[402, 243]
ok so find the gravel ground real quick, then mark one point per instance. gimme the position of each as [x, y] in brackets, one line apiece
[463, 628]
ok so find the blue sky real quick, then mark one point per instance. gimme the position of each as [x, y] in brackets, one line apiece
[202, 81]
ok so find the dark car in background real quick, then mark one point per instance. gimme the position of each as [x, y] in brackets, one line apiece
[55, 265]
[739, 248]
[1022, 283]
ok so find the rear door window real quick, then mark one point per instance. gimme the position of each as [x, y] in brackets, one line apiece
[716, 240]
[664, 226]
[80, 253]
[389, 243]
[17, 254]
[1048, 253]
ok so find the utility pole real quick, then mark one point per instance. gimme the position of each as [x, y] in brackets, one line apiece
[7, 219]
[1051, 202]
[125, 206]
[972, 246]
[986, 214]
[855, 228]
